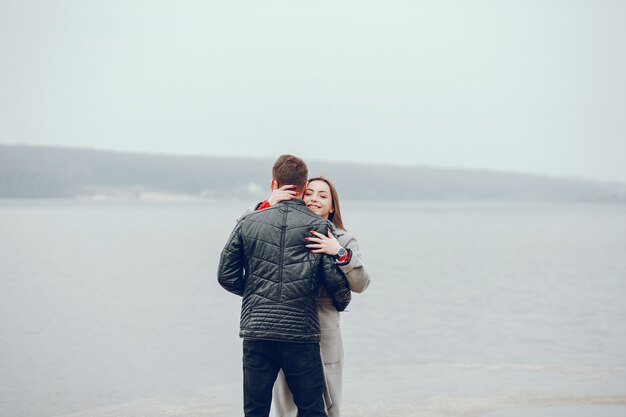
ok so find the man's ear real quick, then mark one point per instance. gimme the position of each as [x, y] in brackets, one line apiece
[273, 184]
[306, 185]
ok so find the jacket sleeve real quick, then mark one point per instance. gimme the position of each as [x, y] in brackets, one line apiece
[355, 271]
[230, 273]
[335, 283]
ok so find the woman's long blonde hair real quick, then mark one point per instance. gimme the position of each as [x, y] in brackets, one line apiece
[335, 216]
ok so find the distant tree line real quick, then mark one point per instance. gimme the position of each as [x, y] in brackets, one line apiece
[50, 172]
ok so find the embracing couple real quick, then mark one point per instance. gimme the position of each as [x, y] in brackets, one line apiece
[295, 265]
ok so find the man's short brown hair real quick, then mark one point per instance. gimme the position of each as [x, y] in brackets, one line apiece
[289, 169]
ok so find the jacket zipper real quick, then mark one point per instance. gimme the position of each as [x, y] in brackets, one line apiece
[282, 254]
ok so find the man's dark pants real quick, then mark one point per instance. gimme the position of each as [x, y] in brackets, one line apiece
[303, 369]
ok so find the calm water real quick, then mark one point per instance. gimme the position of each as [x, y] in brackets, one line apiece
[102, 303]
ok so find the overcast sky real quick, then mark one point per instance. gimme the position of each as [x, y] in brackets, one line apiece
[532, 86]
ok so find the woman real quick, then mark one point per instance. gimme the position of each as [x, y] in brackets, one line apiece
[321, 198]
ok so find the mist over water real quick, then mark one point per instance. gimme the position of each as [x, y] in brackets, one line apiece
[102, 303]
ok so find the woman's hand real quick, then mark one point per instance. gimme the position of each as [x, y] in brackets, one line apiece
[323, 244]
[283, 193]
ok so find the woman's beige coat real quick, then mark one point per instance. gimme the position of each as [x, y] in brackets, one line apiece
[331, 342]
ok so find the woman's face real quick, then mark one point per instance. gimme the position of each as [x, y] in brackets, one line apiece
[318, 199]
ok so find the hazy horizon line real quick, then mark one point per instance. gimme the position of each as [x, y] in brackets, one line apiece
[333, 161]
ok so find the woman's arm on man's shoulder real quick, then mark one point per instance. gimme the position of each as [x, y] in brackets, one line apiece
[280, 194]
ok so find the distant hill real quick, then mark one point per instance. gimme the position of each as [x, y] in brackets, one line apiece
[51, 172]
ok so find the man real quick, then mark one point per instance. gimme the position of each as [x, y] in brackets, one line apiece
[267, 263]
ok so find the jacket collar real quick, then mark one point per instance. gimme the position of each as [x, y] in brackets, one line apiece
[295, 201]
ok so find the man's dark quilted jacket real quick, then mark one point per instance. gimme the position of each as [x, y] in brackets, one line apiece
[266, 261]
